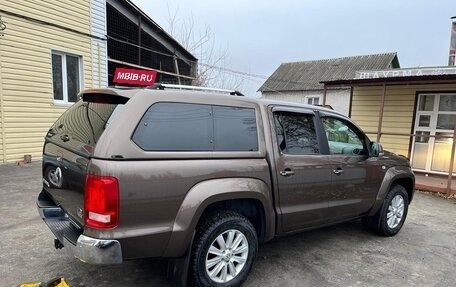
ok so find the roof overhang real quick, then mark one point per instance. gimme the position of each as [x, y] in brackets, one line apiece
[399, 76]
[154, 26]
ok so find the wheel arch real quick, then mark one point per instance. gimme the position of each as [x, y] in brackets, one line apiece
[394, 176]
[248, 196]
[251, 208]
[409, 185]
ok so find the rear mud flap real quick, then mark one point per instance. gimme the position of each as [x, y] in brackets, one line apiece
[178, 267]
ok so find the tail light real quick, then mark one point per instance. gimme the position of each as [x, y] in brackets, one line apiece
[101, 201]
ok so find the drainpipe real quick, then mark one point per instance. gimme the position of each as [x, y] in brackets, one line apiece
[324, 94]
[380, 117]
[2, 110]
[450, 170]
[451, 59]
[99, 64]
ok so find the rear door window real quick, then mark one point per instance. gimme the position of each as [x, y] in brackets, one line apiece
[197, 127]
[296, 133]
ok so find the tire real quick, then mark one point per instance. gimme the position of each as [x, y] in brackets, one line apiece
[391, 216]
[50, 175]
[230, 227]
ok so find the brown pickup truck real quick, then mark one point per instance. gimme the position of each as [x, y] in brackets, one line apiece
[206, 175]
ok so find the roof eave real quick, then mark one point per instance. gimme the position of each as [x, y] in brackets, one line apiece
[390, 80]
[161, 30]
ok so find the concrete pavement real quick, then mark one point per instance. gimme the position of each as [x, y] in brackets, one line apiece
[422, 254]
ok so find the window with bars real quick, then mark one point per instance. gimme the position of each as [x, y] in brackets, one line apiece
[66, 77]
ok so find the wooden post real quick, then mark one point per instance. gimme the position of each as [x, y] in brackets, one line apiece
[380, 117]
[324, 94]
[450, 170]
[176, 68]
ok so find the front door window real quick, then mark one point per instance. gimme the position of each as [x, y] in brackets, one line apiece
[343, 139]
[434, 125]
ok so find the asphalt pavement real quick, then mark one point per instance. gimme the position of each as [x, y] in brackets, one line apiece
[422, 254]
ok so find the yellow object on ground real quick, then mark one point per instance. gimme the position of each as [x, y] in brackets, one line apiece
[57, 282]
[31, 285]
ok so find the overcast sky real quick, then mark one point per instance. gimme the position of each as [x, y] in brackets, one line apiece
[260, 35]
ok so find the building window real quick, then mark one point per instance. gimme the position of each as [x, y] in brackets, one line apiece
[66, 77]
[313, 100]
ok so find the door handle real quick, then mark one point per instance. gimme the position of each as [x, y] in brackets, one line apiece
[286, 172]
[338, 171]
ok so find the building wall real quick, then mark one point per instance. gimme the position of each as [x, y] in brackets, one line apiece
[99, 47]
[295, 97]
[338, 99]
[398, 111]
[28, 109]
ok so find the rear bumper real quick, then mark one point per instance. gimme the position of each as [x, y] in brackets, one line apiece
[96, 251]
[87, 249]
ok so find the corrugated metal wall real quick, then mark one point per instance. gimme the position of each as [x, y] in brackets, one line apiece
[26, 75]
[398, 112]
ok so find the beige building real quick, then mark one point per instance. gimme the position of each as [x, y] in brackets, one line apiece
[45, 60]
[412, 112]
[52, 49]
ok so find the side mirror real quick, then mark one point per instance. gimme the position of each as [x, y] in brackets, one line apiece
[377, 149]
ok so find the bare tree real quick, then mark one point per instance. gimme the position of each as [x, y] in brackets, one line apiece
[212, 60]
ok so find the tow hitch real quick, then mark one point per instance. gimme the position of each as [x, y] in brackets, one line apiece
[58, 244]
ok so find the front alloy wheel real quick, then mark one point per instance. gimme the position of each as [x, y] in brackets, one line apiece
[395, 211]
[391, 215]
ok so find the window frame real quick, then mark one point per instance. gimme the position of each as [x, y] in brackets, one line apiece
[63, 56]
[323, 148]
[307, 98]
[183, 153]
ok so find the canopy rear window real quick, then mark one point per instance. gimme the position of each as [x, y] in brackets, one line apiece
[81, 126]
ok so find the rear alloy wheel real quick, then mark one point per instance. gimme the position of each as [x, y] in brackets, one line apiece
[227, 256]
[391, 216]
[224, 248]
